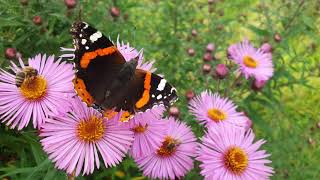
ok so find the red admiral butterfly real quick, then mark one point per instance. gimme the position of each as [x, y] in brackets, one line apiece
[106, 80]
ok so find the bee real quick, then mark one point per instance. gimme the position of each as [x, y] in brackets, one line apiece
[172, 145]
[27, 72]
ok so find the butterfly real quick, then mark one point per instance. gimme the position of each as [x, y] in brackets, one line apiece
[106, 80]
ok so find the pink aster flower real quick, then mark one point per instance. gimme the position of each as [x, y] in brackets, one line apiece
[76, 141]
[149, 130]
[210, 109]
[229, 153]
[35, 90]
[253, 62]
[130, 53]
[174, 157]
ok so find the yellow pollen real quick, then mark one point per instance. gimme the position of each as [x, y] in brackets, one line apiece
[125, 116]
[168, 147]
[250, 62]
[33, 88]
[109, 113]
[91, 130]
[216, 115]
[140, 128]
[236, 160]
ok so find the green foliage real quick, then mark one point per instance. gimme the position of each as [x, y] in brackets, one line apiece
[285, 113]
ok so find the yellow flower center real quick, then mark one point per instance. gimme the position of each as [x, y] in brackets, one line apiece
[216, 115]
[168, 147]
[236, 160]
[250, 62]
[140, 128]
[33, 88]
[91, 130]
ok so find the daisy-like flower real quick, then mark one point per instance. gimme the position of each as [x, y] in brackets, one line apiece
[35, 90]
[210, 109]
[173, 159]
[253, 62]
[149, 130]
[229, 153]
[76, 141]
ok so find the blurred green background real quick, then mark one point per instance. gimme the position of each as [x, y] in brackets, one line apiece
[285, 113]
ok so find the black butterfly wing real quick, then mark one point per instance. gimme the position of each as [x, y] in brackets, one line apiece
[87, 39]
[146, 91]
[161, 92]
[97, 60]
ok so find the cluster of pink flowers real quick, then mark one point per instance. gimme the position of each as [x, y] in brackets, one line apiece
[77, 137]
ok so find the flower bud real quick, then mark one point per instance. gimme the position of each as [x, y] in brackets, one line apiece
[206, 68]
[210, 47]
[115, 12]
[266, 47]
[277, 37]
[24, 2]
[194, 33]
[221, 71]
[190, 94]
[257, 85]
[174, 111]
[191, 51]
[207, 57]
[37, 20]
[70, 3]
[10, 53]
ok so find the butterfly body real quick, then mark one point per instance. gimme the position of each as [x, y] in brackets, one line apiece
[104, 78]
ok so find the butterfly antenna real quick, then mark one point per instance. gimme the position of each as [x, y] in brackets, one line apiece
[80, 14]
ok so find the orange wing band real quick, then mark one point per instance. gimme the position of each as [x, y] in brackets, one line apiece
[146, 93]
[89, 56]
[82, 92]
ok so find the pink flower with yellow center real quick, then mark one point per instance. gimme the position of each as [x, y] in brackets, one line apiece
[33, 91]
[252, 62]
[210, 109]
[149, 130]
[173, 158]
[229, 153]
[78, 139]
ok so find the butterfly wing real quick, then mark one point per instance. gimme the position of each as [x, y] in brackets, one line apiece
[97, 61]
[147, 90]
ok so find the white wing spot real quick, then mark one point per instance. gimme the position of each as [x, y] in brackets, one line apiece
[173, 89]
[161, 85]
[80, 35]
[83, 41]
[153, 95]
[86, 47]
[159, 96]
[86, 25]
[95, 36]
